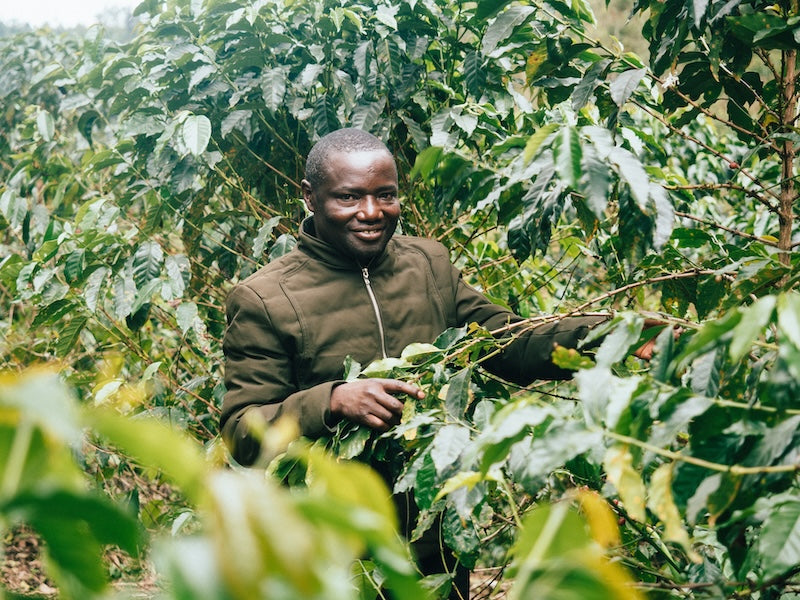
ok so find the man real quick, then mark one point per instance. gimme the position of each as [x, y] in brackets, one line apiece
[353, 288]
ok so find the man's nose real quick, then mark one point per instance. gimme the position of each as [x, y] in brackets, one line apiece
[369, 209]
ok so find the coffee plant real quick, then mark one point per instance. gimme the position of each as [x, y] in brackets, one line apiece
[140, 180]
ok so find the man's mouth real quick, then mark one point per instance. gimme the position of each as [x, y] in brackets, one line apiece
[368, 235]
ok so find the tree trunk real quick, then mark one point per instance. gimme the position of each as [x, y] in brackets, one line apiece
[788, 190]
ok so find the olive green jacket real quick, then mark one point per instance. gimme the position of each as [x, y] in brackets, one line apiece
[291, 324]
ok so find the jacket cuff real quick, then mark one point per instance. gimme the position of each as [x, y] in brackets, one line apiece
[312, 409]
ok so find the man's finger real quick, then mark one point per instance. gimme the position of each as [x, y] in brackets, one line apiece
[401, 387]
[375, 422]
[648, 323]
[645, 351]
[385, 413]
[390, 403]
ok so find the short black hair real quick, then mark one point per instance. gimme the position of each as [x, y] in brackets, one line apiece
[348, 139]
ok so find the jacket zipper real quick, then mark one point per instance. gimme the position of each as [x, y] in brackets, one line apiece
[365, 276]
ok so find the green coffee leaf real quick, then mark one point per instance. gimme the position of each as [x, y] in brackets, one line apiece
[604, 396]
[779, 543]
[617, 344]
[568, 156]
[178, 269]
[124, 294]
[147, 261]
[591, 79]
[94, 285]
[282, 245]
[386, 15]
[74, 265]
[352, 369]
[45, 124]
[418, 351]
[665, 216]
[384, 367]
[503, 27]
[698, 11]
[625, 83]
[465, 541]
[69, 334]
[631, 171]
[447, 446]
[789, 317]
[549, 532]
[458, 393]
[597, 177]
[273, 88]
[754, 319]
[462, 479]
[54, 312]
[186, 313]
[196, 133]
[351, 440]
[13, 207]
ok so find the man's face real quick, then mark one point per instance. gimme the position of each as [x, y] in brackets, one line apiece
[356, 207]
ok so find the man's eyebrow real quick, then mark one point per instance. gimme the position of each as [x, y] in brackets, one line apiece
[351, 189]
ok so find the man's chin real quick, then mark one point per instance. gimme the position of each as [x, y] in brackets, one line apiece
[365, 256]
[365, 252]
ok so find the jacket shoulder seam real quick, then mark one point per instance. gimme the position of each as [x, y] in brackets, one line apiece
[428, 260]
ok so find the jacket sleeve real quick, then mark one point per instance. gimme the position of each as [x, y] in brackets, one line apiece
[259, 377]
[527, 358]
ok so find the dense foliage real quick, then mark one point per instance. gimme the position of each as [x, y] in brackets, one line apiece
[139, 181]
[239, 553]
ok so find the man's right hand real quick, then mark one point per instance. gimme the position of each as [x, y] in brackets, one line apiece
[372, 402]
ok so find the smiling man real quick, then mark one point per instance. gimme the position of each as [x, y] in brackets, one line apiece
[353, 197]
[353, 288]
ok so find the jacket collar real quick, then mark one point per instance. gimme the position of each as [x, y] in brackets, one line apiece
[316, 248]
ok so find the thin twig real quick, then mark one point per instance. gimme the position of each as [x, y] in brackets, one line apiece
[699, 462]
[730, 230]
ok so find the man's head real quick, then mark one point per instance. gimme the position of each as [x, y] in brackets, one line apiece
[351, 187]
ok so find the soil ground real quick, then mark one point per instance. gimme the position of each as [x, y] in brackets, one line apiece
[22, 572]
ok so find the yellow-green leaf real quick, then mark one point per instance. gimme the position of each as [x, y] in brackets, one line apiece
[466, 479]
[602, 522]
[155, 445]
[619, 468]
[569, 358]
[662, 504]
[536, 141]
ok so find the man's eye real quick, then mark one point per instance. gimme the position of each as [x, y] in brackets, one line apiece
[348, 197]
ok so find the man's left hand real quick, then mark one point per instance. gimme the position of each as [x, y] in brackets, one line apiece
[645, 351]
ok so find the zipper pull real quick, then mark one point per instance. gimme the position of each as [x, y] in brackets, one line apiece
[376, 308]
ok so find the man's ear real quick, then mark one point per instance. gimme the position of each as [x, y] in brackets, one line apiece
[308, 196]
